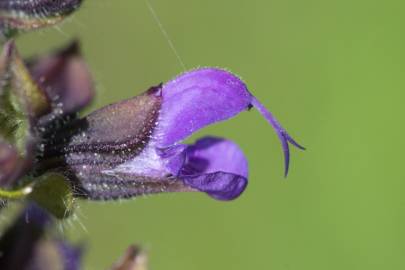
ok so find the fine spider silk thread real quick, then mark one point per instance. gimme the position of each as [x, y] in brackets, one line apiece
[165, 34]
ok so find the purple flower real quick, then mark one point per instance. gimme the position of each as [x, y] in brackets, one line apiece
[26, 245]
[130, 148]
[135, 147]
[32, 243]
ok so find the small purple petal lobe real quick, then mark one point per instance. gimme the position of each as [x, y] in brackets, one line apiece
[221, 186]
[212, 154]
[215, 166]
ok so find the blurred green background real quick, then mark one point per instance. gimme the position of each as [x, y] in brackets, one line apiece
[331, 71]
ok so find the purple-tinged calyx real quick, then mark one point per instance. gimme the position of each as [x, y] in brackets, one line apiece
[135, 147]
[8, 163]
[34, 95]
[64, 77]
[33, 14]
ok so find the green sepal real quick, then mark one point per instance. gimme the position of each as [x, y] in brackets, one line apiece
[25, 95]
[53, 193]
[14, 124]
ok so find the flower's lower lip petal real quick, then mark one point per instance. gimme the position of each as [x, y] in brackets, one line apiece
[219, 185]
[197, 99]
[213, 154]
[216, 166]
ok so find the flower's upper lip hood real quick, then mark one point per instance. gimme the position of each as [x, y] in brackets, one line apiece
[205, 96]
[196, 99]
